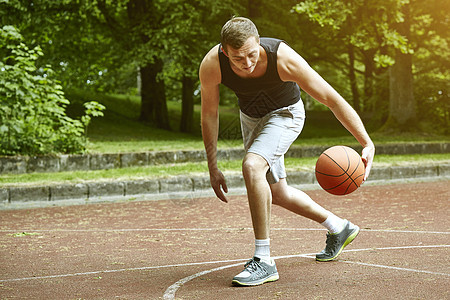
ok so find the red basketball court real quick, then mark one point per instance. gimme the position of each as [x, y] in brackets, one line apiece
[191, 248]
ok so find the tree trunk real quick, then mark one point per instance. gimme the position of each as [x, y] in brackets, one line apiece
[153, 92]
[402, 106]
[368, 75]
[187, 105]
[153, 96]
[352, 77]
[146, 94]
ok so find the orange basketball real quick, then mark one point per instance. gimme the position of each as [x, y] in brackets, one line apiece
[340, 170]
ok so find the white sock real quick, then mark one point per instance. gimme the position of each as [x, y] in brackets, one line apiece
[334, 224]
[262, 250]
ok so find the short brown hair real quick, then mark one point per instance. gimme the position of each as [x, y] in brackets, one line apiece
[236, 32]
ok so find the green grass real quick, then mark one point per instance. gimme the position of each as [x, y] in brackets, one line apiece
[201, 168]
[119, 130]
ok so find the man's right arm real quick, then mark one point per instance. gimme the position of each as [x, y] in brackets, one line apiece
[210, 78]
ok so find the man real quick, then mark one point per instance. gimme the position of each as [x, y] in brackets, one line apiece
[266, 75]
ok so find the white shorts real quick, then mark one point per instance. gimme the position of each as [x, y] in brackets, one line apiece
[272, 135]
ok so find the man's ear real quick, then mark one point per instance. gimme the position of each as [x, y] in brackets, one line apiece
[223, 50]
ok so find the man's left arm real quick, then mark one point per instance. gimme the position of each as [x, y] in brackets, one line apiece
[292, 67]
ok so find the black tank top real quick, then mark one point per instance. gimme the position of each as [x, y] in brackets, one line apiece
[259, 96]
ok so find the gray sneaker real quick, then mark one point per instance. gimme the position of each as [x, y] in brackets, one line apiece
[256, 272]
[337, 242]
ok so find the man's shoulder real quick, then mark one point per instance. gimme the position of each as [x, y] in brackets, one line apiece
[210, 65]
[212, 57]
[284, 50]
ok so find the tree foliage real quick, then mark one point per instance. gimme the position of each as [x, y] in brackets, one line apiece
[107, 45]
[32, 103]
[393, 34]
[77, 48]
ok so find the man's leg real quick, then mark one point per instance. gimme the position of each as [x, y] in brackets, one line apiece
[254, 169]
[341, 232]
[265, 141]
[297, 201]
[261, 268]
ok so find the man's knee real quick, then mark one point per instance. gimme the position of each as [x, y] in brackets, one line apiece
[254, 164]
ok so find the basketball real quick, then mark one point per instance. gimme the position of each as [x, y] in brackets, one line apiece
[340, 170]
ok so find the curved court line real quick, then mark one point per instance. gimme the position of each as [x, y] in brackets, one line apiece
[169, 294]
[171, 290]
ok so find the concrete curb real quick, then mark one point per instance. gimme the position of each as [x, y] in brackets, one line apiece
[185, 184]
[67, 163]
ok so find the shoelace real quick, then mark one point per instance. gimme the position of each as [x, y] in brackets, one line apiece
[254, 267]
[332, 240]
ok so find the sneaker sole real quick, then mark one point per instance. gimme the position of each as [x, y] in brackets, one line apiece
[350, 238]
[271, 278]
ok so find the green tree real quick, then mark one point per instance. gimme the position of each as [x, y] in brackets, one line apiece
[277, 19]
[192, 28]
[89, 41]
[431, 61]
[80, 53]
[136, 27]
[167, 39]
[384, 35]
[32, 103]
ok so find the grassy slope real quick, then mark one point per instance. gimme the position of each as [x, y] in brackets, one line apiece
[119, 130]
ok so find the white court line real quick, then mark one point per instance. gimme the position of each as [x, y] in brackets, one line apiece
[169, 294]
[394, 268]
[309, 255]
[173, 288]
[121, 270]
[212, 229]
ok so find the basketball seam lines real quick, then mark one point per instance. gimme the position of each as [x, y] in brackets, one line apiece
[345, 172]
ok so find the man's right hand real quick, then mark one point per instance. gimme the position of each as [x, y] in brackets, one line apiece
[219, 185]
[210, 79]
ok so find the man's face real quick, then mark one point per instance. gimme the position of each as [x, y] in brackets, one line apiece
[246, 57]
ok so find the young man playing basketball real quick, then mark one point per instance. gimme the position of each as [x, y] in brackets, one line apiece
[266, 75]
